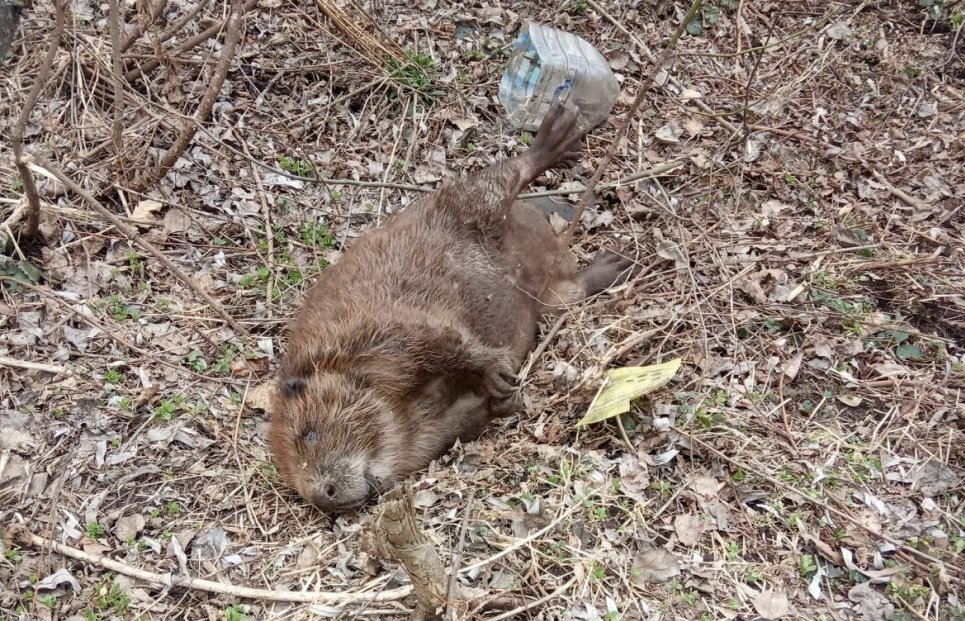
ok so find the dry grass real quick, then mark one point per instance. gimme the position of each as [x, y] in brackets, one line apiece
[805, 261]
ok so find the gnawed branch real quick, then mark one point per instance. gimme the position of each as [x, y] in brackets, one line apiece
[399, 537]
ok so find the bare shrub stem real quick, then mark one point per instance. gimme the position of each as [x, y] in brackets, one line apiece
[22, 161]
[191, 43]
[148, 19]
[117, 78]
[190, 127]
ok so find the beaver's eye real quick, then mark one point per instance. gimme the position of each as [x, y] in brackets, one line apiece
[309, 436]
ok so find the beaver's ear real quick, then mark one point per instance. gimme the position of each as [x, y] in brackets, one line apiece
[293, 387]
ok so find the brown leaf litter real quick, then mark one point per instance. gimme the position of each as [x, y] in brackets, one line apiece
[792, 187]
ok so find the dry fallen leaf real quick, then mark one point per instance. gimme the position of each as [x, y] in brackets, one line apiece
[634, 474]
[890, 369]
[308, 556]
[669, 133]
[706, 486]
[870, 604]
[773, 208]
[260, 396]
[693, 127]
[771, 605]
[934, 477]
[839, 31]
[129, 526]
[849, 400]
[176, 221]
[144, 211]
[618, 60]
[666, 249]
[654, 566]
[792, 366]
[690, 528]
[243, 367]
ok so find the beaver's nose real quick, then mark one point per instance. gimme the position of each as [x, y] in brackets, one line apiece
[330, 491]
[328, 498]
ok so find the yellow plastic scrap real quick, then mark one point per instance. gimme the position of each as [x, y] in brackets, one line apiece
[621, 386]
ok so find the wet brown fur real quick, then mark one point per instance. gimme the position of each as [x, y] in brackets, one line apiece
[412, 338]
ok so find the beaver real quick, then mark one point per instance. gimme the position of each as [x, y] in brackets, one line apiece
[413, 337]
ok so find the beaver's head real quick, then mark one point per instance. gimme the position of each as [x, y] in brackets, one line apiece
[334, 440]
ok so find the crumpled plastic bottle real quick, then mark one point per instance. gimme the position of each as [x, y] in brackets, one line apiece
[547, 64]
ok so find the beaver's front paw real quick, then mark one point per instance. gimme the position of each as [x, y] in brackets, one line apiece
[502, 384]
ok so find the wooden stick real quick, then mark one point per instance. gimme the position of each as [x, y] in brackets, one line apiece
[23, 536]
[16, 139]
[32, 366]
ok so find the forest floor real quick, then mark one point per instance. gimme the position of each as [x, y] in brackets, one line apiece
[804, 255]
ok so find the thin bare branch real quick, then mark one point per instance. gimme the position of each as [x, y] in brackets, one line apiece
[147, 19]
[22, 162]
[117, 134]
[189, 44]
[234, 32]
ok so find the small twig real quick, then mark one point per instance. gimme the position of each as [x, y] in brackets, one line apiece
[904, 196]
[642, 46]
[512, 614]
[167, 581]
[137, 239]
[314, 180]
[175, 28]
[641, 92]
[457, 557]
[627, 180]
[783, 405]
[522, 543]
[750, 81]
[114, 15]
[234, 28]
[32, 366]
[191, 43]
[266, 214]
[142, 25]
[621, 131]
[16, 138]
[543, 344]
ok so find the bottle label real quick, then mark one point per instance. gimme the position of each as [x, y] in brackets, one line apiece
[561, 89]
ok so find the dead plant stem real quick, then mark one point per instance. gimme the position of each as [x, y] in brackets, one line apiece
[191, 43]
[149, 18]
[234, 30]
[207, 586]
[622, 130]
[22, 161]
[114, 15]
